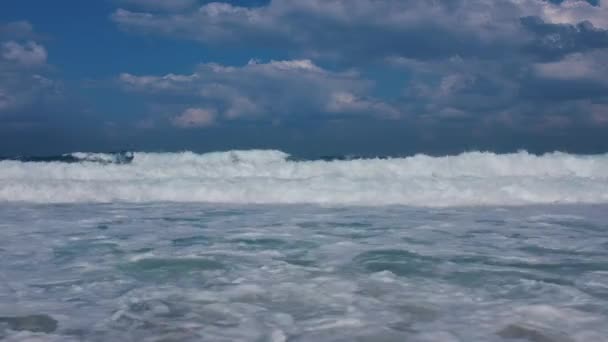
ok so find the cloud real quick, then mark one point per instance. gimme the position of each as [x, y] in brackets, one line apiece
[506, 62]
[22, 68]
[590, 66]
[569, 12]
[26, 54]
[371, 30]
[517, 94]
[553, 41]
[195, 117]
[365, 29]
[272, 90]
[345, 102]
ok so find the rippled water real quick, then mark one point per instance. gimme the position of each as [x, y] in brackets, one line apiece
[191, 272]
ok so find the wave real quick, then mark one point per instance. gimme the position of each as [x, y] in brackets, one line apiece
[267, 176]
[79, 157]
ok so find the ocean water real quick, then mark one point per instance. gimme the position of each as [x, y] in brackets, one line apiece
[254, 246]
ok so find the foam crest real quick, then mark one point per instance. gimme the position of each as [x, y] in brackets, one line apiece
[266, 176]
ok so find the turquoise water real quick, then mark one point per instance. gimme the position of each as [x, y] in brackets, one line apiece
[203, 272]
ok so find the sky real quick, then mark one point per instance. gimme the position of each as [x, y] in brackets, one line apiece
[309, 77]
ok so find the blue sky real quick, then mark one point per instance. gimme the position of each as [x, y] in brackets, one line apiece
[315, 77]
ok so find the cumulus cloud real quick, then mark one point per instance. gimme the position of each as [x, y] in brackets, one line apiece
[195, 117]
[22, 67]
[569, 12]
[26, 54]
[272, 89]
[370, 29]
[590, 66]
[340, 28]
[501, 61]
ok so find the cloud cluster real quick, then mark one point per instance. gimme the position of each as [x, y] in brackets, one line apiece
[488, 61]
[195, 117]
[274, 90]
[370, 29]
[27, 54]
[23, 63]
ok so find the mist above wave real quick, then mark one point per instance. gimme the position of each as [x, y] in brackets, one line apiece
[267, 176]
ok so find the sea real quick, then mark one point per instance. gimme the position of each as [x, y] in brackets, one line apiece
[260, 246]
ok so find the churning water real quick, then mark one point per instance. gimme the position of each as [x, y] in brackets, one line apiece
[253, 246]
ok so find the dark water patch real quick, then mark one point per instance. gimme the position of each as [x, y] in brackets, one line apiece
[477, 234]
[223, 213]
[300, 262]
[299, 254]
[584, 225]
[414, 241]
[32, 323]
[173, 265]
[311, 224]
[349, 224]
[198, 240]
[516, 236]
[352, 234]
[181, 219]
[143, 250]
[84, 248]
[492, 222]
[577, 224]
[440, 216]
[399, 262]
[528, 332]
[292, 247]
[595, 292]
[415, 313]
[597, 288]
[546, 251]
[58, 284]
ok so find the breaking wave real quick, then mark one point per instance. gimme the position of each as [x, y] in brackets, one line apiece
[266, 176]
[78, 157]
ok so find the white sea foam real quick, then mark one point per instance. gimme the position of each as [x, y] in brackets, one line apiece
[473, 178]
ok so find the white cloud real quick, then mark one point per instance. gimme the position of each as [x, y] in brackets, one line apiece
[461, 58]
[367, 29]
[194, 118]
[26, 54]
[330, 27]
[272, 89]
[345, 102]
[160, 83]
[21, 65]
[568, 12]
[577, 66]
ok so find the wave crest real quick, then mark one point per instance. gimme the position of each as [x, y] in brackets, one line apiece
[266, 176]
